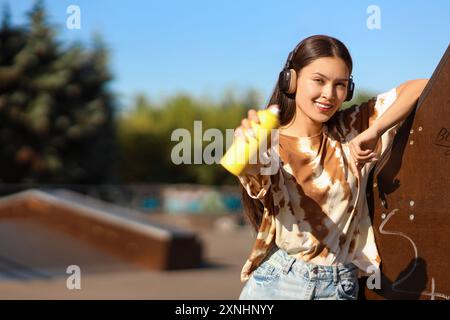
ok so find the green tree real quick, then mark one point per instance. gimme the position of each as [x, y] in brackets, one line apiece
[56, 112]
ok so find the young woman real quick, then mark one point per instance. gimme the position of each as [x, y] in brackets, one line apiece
[313, 233]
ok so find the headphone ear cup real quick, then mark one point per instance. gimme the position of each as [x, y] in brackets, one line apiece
[287, 81]
[283, 80]
[351, 89]
[292, 81]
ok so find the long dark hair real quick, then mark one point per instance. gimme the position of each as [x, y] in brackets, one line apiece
[308, 50]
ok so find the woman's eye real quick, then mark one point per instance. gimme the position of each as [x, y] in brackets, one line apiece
[318, 80]
[342, 85]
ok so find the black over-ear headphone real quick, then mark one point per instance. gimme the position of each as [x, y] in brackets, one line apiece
[287, 80]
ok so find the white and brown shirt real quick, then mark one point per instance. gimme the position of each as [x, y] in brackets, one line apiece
[314, 206]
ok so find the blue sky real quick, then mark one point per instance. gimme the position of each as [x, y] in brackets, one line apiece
[203, 47]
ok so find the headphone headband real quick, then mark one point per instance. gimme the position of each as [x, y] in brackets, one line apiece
[290, 56]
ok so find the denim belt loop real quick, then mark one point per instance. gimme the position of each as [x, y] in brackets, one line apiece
[335, 275]
[288, 265]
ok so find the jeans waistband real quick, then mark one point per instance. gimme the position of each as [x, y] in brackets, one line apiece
[280, 258]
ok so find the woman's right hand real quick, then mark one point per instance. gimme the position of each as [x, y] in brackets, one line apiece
[245, 130]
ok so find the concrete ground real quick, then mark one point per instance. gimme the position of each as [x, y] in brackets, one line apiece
[35, 276]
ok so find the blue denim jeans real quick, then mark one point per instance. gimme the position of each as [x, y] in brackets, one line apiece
[281, 276]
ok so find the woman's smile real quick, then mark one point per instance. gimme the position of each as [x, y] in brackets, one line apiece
[324, 107]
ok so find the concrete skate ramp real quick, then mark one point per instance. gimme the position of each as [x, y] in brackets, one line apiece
[410, 202]
[42, 233]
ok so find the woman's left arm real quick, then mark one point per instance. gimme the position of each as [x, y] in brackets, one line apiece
[407, 95]
[362, 147]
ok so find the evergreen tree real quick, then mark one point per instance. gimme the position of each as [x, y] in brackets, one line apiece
[56, 113]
